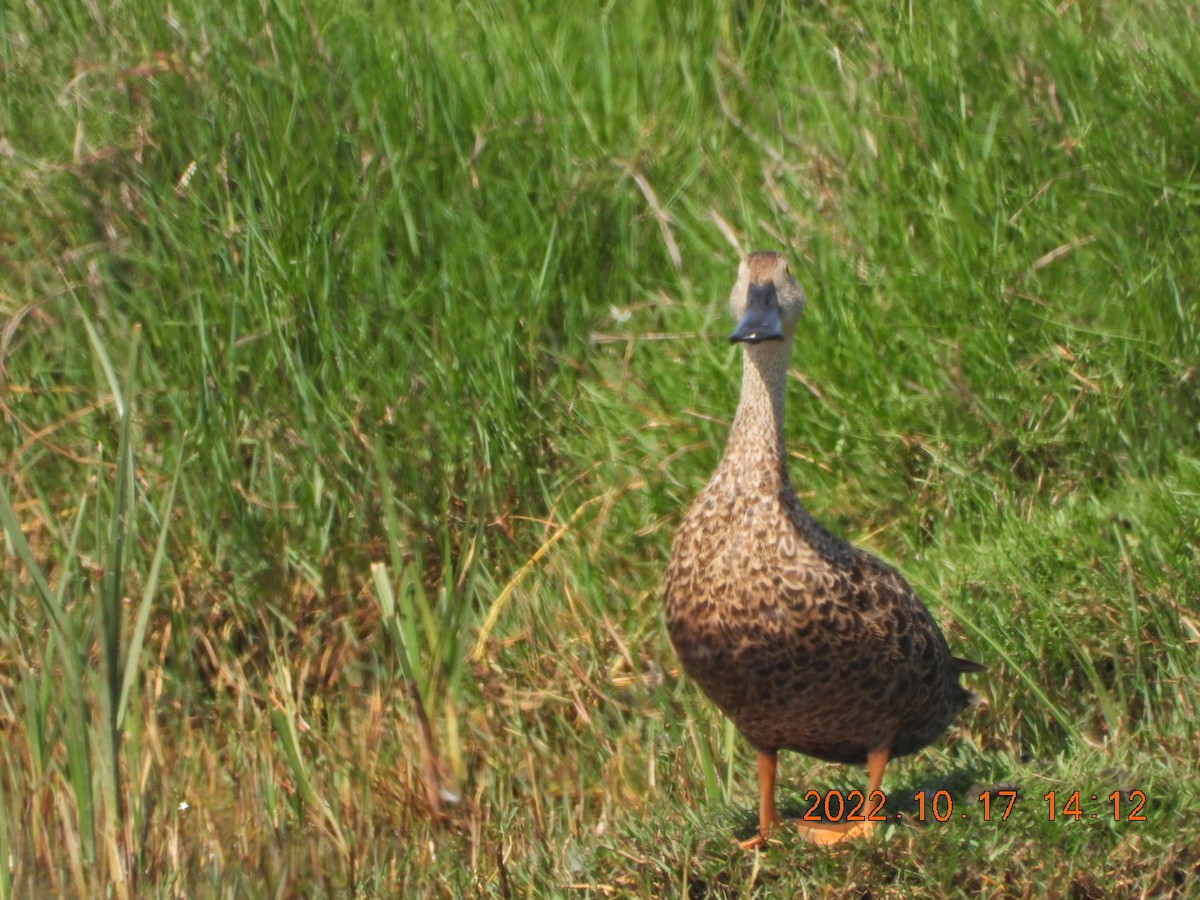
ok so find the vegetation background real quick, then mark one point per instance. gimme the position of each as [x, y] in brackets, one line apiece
[357, 361]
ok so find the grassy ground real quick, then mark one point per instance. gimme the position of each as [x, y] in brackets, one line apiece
[358, 360]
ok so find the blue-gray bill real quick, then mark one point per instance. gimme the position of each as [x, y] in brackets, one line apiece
[760, 322]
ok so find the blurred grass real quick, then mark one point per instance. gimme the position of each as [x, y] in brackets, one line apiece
[433, 293]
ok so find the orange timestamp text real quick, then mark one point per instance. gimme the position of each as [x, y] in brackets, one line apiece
[989, 806]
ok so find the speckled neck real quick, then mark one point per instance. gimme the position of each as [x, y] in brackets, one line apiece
[755, 444]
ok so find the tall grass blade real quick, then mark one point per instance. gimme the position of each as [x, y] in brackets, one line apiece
[119, 536]
[403, 639]
[106, 366]
[402, 631]
[48, 599]
[285, 728]
[137, 636]
[69, 652]
[391, 517]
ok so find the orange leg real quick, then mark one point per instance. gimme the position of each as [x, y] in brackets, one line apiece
[768, 818]
[876, 761]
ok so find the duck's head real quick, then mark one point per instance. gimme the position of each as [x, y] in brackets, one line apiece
[766, 300]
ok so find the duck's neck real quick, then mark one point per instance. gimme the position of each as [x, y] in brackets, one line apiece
[755, 442]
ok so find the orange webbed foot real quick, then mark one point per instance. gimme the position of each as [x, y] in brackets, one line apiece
[826, 834]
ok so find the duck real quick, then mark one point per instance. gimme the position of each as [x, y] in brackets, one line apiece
[807, 643]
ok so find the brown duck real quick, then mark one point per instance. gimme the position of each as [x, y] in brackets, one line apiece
[806, 642]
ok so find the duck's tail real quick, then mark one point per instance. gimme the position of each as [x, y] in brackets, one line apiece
[966, 666]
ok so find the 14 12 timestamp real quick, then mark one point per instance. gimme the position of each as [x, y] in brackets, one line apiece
[1127, 806]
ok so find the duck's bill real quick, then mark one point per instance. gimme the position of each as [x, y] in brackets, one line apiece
[760, 322]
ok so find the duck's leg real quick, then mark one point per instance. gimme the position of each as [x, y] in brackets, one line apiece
[768, 818]
[834, 832]
[876, 761]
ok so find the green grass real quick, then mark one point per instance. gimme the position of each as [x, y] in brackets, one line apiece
[358, 361]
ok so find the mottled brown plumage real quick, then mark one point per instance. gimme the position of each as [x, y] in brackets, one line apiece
[806, 642]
